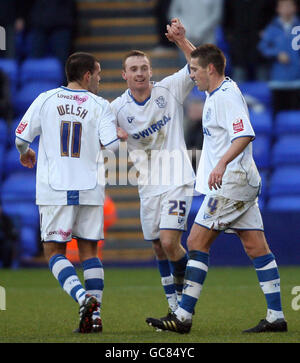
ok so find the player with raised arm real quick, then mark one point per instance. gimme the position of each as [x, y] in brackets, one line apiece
[71, 122]
[152, 115]
[228, 177]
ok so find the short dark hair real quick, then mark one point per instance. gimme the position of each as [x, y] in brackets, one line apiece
[210, 54]
[134, 53]
[78, 64]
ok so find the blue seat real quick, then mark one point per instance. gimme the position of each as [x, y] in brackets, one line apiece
[257, 89]
[287, 122]
[284, 203]
[26, 212]
[286, 150]
[41, 69]
[3, 132]
[10, 68]
[261, 150]
[11, 136]
[20, 187]
[261, 122]
[12, 163]
[28, 241]
[28, 93]
[285, 181]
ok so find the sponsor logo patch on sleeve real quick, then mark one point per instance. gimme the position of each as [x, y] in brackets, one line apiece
[22, 126]
[238, 126]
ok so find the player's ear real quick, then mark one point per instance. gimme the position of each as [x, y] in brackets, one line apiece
[211, 68]
[86, 77]
[124, 75]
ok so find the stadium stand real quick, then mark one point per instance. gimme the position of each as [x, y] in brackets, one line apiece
[109, 30]
[287, 122]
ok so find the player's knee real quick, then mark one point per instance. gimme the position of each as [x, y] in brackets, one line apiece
[191, 243]
[158, 250]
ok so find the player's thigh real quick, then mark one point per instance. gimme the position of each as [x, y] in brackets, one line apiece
[89, 222]
[201, 238]
[56, 222]
[175, 208]
[150, 211]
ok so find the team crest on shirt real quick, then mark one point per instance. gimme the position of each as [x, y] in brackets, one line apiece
[130, 119]
[22, 126]
[208, 114]
[161, 102]
[181, 220]
[238, 126]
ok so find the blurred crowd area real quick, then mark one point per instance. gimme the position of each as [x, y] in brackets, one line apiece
[261, 41]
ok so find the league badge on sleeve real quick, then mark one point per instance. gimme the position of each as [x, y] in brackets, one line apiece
[238, 126]
[21, 127]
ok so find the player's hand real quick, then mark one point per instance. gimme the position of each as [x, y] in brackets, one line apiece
[175, 31]
[28, 159]
[122, 134]
[216, 176]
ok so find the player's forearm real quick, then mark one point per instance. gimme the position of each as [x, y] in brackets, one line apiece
[21, 145]
[237, 147]
[186, 47]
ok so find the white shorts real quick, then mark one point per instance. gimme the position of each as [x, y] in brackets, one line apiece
[61, 223]
[223, 214]
[166, 211]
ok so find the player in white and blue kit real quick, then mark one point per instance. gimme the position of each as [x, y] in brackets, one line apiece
[228, 177]
[152, 115]
[71, 122]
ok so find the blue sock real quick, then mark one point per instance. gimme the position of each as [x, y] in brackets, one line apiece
[167, 282]
[93, 274]
[268, 276]
[65, 273]
[195, 274]
[178, 271]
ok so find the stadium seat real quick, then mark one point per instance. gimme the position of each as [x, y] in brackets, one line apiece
[258, 90]
[261, 203]
[19, 187]
[12, 163]
[284, 203]
[261, 122]
[285, 181]
[11, 134]
[10, 68]
[26, 212]
[287, 122]
[41, 69]
[28, 241]
[2, 153]
[28, 92]
[261, 151]
[286, 150]
[3, 132]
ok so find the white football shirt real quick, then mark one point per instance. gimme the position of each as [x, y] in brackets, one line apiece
[226, 117]
[71, 124]
[155, 142]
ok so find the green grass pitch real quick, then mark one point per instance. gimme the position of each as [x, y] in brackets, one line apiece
[38, 310]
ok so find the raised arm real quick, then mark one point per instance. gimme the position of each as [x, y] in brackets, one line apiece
[176, 34]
